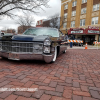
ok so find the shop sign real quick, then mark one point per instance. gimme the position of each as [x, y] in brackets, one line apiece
[93, 27]
[93, 31]
[79, 31]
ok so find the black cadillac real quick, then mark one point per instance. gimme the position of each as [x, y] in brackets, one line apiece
[34, 44]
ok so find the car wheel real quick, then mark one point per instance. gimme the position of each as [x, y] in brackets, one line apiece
[55, 55]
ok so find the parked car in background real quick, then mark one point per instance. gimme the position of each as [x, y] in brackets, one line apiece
[1, 34]
[35, 43]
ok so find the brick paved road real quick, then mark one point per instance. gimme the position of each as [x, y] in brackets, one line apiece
[74, 76]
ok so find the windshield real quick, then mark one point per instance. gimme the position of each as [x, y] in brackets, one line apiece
[42, 31]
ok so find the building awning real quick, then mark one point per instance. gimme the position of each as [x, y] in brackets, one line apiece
[76, 31]
[90, 30]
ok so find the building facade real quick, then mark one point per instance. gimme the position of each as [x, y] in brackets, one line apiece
[43, 23]
[39, 23]
[22, 29]
[9, 31]
[53, 22]
[81, 18]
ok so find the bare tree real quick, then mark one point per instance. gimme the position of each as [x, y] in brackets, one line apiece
[25, 20]
[62, 21]
[7, 6]
[55, 21]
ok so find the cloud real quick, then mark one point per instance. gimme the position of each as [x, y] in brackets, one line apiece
[55, 7]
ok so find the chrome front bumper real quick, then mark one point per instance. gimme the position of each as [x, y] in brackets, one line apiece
[27, 56]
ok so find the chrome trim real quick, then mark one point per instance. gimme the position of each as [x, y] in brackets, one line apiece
[46, 58]
[23, 47]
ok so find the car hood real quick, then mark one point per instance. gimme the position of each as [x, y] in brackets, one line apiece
[28, 38]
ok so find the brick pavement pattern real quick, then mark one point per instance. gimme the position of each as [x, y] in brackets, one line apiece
[74, 76]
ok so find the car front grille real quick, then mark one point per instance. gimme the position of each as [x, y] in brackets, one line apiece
[24, 47]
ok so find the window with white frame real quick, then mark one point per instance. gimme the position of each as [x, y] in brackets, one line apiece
[83, 10]
[84, 1]
[64, 25]
[73, 13]
[72, 23]
[95, 7]
[94, 20]
[74, 4]
[66, 7]
[65, 15]
[82, 22]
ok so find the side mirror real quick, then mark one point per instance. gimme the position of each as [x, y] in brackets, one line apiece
[2, 34]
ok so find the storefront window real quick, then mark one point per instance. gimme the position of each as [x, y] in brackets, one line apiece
[64, 25]
[83, 10]
[73, 24]
[82, 22]
[94, 20]
[96, 7]
[73, 13]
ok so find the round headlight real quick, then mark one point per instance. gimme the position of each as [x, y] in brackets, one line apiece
[47, 42]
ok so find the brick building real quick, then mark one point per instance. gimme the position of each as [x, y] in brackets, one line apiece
[49, 23]
[22, 29]
[39, 23]
[46, 23]
[9, 31]
[43, 23]
[81, 18]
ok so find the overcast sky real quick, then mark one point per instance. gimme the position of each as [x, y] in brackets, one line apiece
[55, 7]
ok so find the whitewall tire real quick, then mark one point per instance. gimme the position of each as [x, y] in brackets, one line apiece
[55, 55]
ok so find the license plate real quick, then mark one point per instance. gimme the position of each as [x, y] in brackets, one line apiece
[13, 56]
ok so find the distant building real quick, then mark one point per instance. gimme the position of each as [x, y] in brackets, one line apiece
[9, 31]
[3, 31]
[21, 29]
[39, 23]
[48, 23]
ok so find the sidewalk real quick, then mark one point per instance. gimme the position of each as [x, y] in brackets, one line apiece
[83, 47]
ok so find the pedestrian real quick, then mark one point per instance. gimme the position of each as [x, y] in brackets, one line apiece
[66, 37]
[72, 37]
[71, 43]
